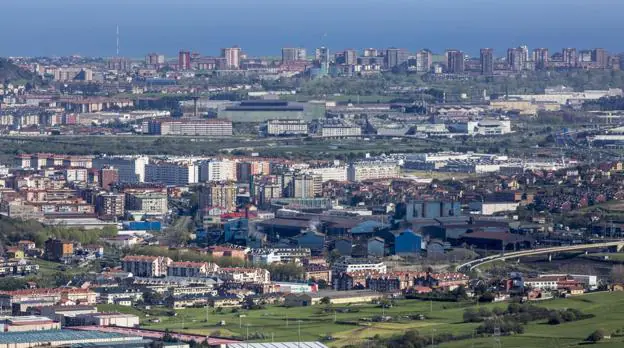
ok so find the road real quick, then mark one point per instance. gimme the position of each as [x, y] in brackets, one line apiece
[469, 266]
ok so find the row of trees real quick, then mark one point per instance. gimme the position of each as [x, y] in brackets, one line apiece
[512, 319]
[185, 255]
[13, 230]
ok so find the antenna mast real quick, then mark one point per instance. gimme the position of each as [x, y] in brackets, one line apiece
[117, 40]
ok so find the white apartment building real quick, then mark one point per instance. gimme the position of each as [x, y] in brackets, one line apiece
[542, 283]
[172, 174]
[348, 265]
[373, 170]
[146, 266]
[217, 170]
[286, 127]
[331, 173]
[245, 275]
[148, 203]
[340, 131]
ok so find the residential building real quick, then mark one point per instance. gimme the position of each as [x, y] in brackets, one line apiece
[516, 59]
[542, 283]
[291, 54]
[454, 62]
[286, 127]
[146, 266]
[371, 52]
[424, 60]
[340, 130]
[338, 173]
[350, 57]
[600, 58]
[149, 203]
[318, 273]
[191, 269]
[569, 57]
[57, 249]
[217, 170]
[232, 57]
[360, 171]
[541, 58]
[487, 61]
[245, 275]
[218, 195]
[108, 177]
[130, 169]
[172, 174]
[396, 57]
[110, 204]
[184, 60]
[195, 127]
[350, 265]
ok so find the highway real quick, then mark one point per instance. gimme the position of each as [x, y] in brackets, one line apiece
[469, 266]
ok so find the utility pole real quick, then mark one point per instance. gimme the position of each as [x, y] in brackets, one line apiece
[299, 332]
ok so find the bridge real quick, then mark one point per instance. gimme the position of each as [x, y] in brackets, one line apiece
[469, 266]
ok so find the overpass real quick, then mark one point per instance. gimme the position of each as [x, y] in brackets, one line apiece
[469, 266]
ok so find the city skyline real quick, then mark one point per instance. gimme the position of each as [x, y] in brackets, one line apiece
[262, 30]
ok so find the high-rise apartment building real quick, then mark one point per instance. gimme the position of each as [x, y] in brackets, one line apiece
[218, 195]
[541, 58]
[487, 61]
[454, 61]
[184, 60]
[516, 59]
[424, 59]
[217, 170]
[232, 57]
[371, 52]
[600, 58]
[110, 204]
[108, 177]
[321, 55]
[396, 57]
[154, 59]
[292, 54]
[350, 57]
[569, 57]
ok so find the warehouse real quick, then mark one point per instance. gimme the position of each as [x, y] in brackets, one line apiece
[264, 110]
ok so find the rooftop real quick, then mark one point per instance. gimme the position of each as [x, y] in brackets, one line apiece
[14, 338]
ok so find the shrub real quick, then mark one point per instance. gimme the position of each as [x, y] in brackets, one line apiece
[596, 336]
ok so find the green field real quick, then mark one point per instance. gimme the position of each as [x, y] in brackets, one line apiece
[612, 257]
[282, 324]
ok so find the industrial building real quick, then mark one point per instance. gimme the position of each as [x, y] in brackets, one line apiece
[264, 110]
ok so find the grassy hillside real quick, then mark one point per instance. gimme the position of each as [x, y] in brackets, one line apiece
[349, 328]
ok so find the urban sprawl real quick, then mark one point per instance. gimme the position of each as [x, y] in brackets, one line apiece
[373, 198]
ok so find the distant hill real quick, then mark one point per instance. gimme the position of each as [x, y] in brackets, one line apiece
[10, 72]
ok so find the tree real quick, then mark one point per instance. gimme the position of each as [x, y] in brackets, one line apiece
[152, 297]
[596, 336]
[555, 318]
[471, 316]
[325, 301]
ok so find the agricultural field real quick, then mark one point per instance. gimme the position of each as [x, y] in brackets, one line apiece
[350, 324]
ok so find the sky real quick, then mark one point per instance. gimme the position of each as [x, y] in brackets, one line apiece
[262, 27]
